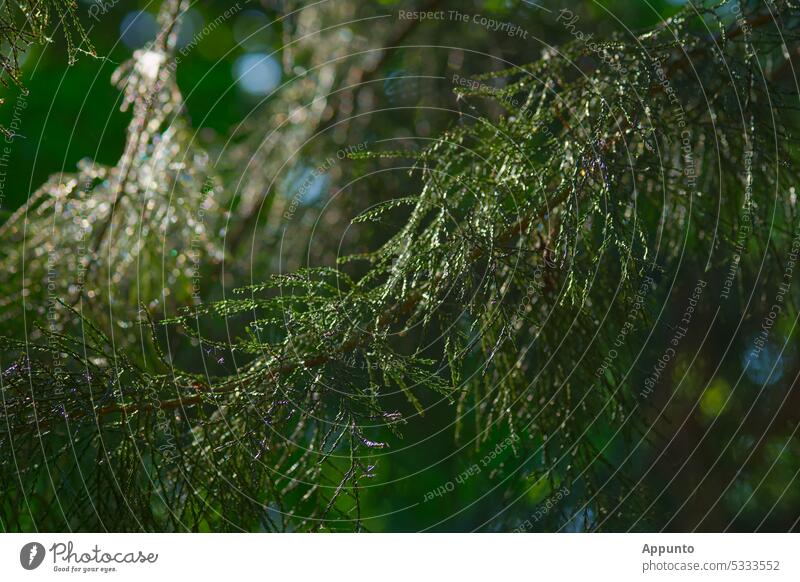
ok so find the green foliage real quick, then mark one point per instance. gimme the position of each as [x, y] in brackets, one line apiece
[25, 22]
[491, 298]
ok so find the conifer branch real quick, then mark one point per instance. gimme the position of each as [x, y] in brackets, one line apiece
[494, 293]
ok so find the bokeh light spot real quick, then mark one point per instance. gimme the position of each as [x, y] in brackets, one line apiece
[257, 73]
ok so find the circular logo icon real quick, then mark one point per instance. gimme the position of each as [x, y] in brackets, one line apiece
[31, 555]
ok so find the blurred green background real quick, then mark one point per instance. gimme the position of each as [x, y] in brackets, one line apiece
[72, 112]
